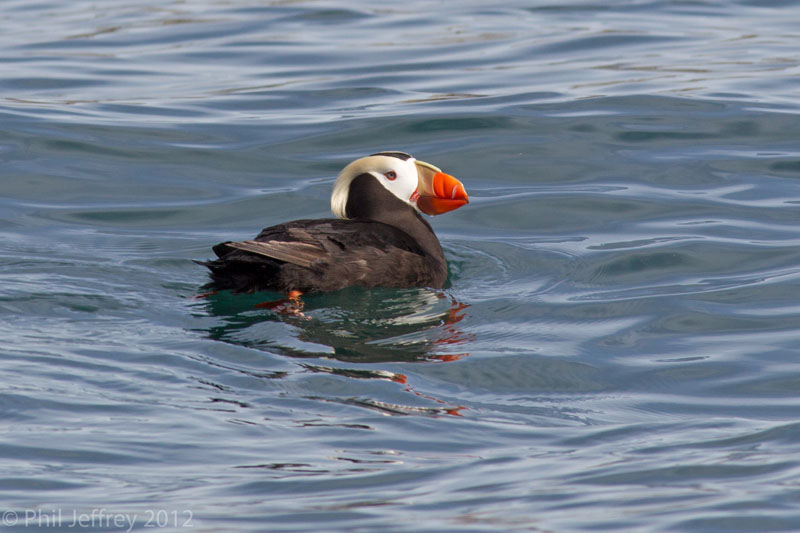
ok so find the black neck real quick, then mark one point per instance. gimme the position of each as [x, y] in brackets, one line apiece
[369, 200]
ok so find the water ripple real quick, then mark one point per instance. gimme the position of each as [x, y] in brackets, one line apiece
[617, 346]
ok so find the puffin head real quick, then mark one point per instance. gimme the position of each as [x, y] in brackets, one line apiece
[420, 185]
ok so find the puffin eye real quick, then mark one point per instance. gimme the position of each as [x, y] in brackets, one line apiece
[391, 175]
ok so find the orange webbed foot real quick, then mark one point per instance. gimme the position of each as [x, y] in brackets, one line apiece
[292, 305]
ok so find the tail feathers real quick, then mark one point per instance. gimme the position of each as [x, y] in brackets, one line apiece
[240, 274]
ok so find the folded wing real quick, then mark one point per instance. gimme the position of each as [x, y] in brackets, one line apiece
[298, 253]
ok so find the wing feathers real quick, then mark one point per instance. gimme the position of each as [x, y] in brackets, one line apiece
[299, 253]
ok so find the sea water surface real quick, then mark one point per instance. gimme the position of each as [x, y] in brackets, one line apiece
[618, 348]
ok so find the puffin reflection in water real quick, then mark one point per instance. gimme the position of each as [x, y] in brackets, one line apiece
[379, 239]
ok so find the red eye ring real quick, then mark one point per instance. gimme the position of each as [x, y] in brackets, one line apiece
[391, 175]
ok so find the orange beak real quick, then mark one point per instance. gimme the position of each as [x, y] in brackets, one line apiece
[437, 192]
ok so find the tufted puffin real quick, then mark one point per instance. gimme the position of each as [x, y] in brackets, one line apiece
[378, 240]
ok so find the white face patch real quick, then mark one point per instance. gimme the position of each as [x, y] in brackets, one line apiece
[397, 176]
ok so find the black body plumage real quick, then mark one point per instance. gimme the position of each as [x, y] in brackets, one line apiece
[384, 242]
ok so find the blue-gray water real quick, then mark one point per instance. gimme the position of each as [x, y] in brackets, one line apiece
[619, 348]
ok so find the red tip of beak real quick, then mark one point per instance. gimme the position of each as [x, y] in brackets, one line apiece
[447, 194]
